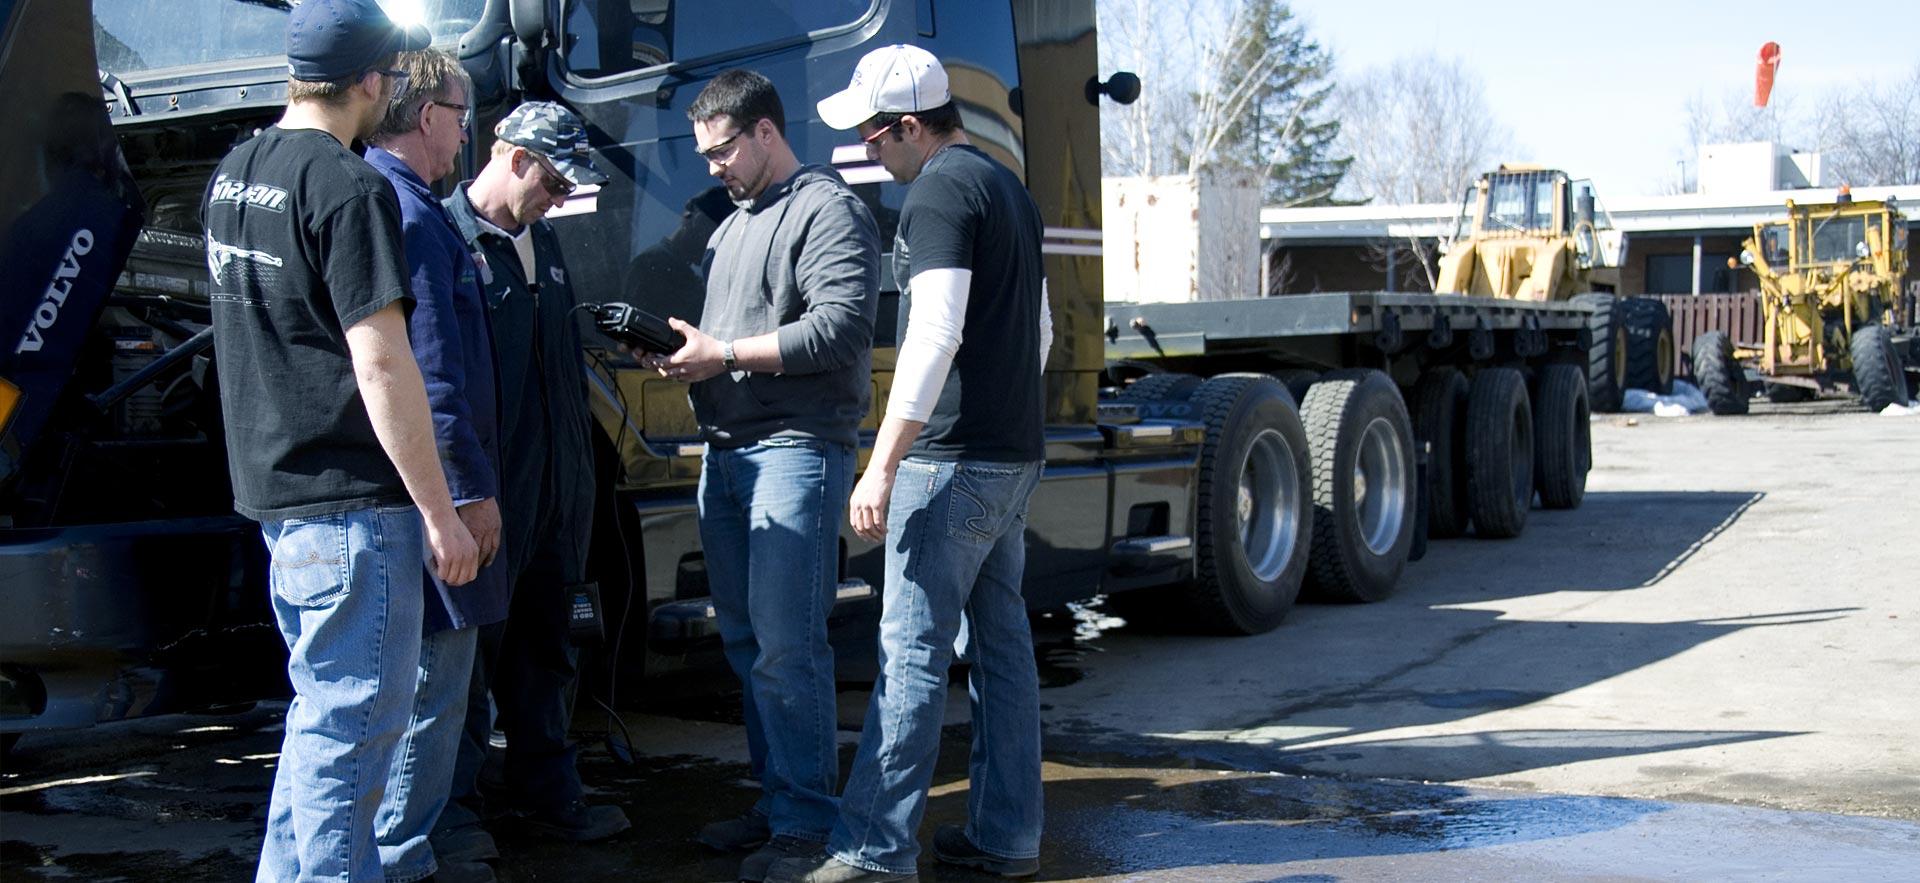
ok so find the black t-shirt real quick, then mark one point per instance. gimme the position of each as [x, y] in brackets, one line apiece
[967, 212]
[303, 242]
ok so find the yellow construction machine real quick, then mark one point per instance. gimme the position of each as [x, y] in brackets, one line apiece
[1525, 232]
[1833, 309]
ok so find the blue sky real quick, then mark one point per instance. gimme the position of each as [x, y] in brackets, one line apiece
[1600, 89]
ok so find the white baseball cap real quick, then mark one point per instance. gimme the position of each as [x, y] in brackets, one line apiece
[891, 79]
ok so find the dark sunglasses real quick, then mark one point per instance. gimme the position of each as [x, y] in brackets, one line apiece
[550, 177]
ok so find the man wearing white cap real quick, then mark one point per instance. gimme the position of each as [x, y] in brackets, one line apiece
[964, 427]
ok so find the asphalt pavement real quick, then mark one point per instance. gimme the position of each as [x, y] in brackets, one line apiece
[1705, 672]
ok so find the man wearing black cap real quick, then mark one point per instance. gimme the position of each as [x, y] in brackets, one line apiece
[538, 158]
[328, 436]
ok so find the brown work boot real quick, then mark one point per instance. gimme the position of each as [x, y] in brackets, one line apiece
[754, 867]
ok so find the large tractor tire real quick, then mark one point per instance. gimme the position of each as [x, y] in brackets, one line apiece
[1877, 375]
[1440, 422]
[1363, 485]
[1649, 344]
[1606, 352]
[1720, 376]
[1562, 437]
[1499, 453]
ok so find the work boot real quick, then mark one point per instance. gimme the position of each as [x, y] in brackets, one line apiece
[950, 845]
[830, 870]
[466, 843]
[462, 872]
[745, 831]
[577, 822]
[754, 867]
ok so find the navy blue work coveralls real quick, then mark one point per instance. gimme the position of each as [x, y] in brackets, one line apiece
[547, 511]
[453, 342]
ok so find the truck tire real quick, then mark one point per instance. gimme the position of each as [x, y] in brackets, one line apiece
[1297, 381]
[1562, 437]
[1440, 421]
[1606, 352]
[1254, 519]
[1649, 345]
[1499, 453]
[1877, 375]
[1162, 395]
[1720, 376]
[1363, 485]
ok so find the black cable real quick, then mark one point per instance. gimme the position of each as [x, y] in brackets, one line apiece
[623, 750]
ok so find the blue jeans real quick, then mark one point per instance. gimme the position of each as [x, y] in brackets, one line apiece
[346, 594]
[956, 552]
[770, 524]
[418, 783]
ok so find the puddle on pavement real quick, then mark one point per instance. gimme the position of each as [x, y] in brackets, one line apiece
[1064, 636]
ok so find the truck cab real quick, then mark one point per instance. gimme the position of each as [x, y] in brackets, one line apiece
[133, 588]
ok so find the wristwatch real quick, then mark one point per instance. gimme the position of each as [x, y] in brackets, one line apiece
[726, 355]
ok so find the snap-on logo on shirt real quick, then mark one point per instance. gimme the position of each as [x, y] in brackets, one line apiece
[264, 196]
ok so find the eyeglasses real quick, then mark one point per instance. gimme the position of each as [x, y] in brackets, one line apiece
[870, 139]
[550, 177]
[399, 77]
[722, 151]
[466, 111]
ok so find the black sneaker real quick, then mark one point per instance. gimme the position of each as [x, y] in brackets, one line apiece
[466, 843]
[577, 822]
[736, 834]
[830, 870]
[754, 867]
[951, 846]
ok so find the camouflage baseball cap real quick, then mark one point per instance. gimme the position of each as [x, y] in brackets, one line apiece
[554, 132]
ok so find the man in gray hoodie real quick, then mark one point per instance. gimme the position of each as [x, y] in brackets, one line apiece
[780, 368]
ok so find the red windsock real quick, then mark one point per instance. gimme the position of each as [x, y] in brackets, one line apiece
[1763, 73]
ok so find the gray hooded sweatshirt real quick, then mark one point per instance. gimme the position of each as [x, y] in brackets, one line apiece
[803, 258]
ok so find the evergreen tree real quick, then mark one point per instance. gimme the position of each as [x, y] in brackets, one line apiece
[1271, 82]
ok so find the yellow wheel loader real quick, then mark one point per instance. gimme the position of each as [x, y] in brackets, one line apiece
[1525, 232]
[1832, 309]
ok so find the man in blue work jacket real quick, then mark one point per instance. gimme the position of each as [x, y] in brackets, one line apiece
[538, 158]
[417, 143]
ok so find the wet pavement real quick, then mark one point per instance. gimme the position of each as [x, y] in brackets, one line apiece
[1703, 673]
[182, 799]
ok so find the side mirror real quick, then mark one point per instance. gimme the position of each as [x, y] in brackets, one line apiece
[529, 19]
[1122, 87]
[1746, 258]
[1860, 250]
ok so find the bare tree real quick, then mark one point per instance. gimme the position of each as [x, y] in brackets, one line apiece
[1225, 84]
[1870, 135]
[1419, 130]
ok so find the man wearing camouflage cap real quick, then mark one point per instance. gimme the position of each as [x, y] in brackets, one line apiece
[538, 159]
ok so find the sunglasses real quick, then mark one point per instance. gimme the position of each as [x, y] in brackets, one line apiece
[870, 139]
[722, 151]
[550, 177]
[466, 111]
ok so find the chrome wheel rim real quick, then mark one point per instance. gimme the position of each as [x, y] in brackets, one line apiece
[1380, 486]
[1269, 524]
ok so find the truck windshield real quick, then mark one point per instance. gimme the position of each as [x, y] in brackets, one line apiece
[1837, 238]
[135, 36]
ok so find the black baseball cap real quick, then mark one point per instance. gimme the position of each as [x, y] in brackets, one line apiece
[335, 39]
